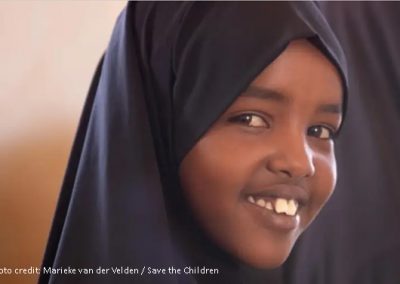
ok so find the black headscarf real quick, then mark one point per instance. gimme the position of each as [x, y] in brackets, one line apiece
[170, 70]
[356, 239]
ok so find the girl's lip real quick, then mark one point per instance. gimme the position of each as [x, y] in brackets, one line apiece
[271, 220]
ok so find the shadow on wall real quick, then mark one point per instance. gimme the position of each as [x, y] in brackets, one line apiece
[32, 170]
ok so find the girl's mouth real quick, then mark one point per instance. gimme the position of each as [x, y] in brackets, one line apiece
[275, 213]
[277, 205]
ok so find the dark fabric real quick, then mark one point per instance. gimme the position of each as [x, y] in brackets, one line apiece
[170, 70]
[356, 239]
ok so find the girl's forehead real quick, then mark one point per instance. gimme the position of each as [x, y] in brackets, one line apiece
[300, 71]
[299, 56]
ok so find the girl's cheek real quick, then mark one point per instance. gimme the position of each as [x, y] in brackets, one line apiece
[324, 181]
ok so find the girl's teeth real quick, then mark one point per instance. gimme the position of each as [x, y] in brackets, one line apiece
[251, 199]
[289, 207]
[292, 208]
[280, 206]
[261, 202]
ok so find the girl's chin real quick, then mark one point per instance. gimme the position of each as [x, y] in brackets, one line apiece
[267, 259]
[270, 263]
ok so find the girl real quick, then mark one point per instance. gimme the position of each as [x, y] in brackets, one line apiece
[206, 144]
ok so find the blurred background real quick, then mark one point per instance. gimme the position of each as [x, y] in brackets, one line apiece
[48, 53]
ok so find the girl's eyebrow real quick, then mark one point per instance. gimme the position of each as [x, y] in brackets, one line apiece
[268, 94]
[263, 93]
[330, 108]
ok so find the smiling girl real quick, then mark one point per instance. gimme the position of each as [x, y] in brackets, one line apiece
[264, 169]
[207, 140]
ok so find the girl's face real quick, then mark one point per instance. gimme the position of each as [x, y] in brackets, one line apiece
[265, 168]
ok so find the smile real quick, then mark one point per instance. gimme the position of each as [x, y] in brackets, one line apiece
[276, 213]
[277, 205]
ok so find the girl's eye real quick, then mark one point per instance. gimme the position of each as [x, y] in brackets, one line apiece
[250, 119]
[321, 132]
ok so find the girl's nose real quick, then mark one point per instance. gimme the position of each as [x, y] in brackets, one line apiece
[292, 157]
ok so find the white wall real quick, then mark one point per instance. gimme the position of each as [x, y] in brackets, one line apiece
[48, 53]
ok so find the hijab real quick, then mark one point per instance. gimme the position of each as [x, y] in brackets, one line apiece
[356, 239]
[171, 68]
